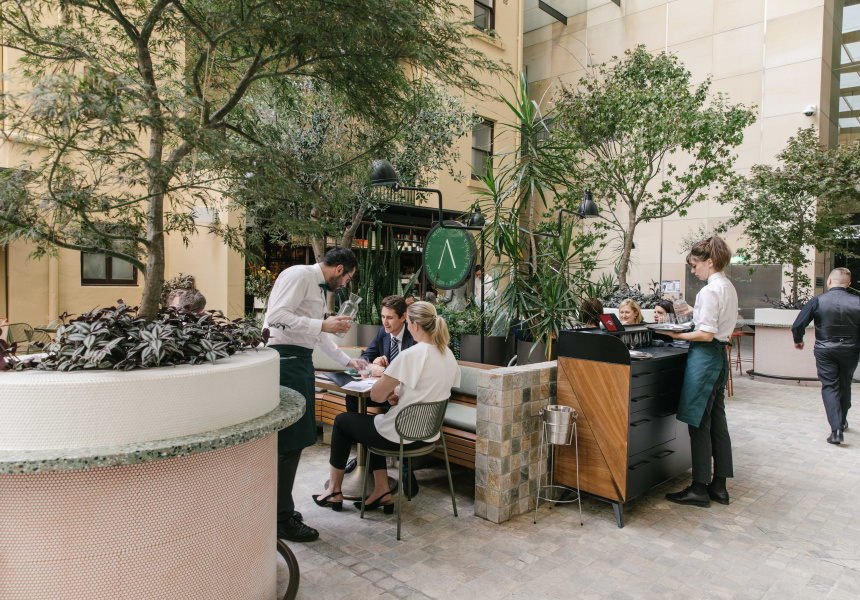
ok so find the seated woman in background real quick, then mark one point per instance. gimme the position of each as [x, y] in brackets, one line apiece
[629, 312]
[663, 308]
[589, 308]
[425, 372]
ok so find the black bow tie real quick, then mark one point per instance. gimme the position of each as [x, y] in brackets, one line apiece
[325, 287]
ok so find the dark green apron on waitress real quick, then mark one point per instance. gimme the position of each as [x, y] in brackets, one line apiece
[706, 361]
[297, 373]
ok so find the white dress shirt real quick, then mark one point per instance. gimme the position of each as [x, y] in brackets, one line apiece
[488, 289]
[399, 338]
[299, 304]
[716, 308]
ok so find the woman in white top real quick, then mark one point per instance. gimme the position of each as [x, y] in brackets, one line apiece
[702, 405]
[426, 372]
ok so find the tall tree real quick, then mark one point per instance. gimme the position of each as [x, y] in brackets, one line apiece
[805, 201]
[647, 141]
[123, 95]
[307, 173]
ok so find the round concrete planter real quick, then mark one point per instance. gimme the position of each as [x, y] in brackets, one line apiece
[159, 480]
[497, 350]
[365, 334]
[349, 339]
[529, 353]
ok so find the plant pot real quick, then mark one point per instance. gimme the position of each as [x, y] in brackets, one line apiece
[529, 353]
[366, 333]
[350, 338]
[154, 508]
[260, 303]
[497, 349]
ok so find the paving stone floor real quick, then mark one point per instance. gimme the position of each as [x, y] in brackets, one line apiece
[791, 531]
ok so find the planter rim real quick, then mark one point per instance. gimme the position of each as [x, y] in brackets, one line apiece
[290, 409]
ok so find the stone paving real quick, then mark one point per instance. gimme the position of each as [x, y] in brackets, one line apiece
[791, 531]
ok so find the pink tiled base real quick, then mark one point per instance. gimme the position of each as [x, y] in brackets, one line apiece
[193, 528]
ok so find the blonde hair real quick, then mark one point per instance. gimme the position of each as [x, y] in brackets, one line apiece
[634, 306]
[425, 315]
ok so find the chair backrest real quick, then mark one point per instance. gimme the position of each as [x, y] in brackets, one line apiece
[420, 421]
[19, 332]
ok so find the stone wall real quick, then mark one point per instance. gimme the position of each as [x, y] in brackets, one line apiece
[508, 437]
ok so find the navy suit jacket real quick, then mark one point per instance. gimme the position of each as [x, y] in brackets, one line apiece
[382, 342]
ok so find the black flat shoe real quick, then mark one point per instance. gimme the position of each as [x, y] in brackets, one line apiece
[386, 508]
[325, 502]
[296, 531]
[721, 497]
[350, 466]
[689, 497]
[836, 437]
[844, 424]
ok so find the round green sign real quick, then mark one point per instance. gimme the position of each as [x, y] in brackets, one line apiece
[448, 256]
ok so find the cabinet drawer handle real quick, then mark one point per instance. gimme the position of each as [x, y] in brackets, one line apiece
[639, 464]
[665, 414]
[664, 454]
[641, 398]
[640, 422]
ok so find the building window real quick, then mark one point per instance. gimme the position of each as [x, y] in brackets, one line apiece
[482, 147]
[485, 19]
[98, 269]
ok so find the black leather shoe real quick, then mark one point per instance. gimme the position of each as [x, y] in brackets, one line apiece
[350, 466]
[298, 516]
[844, 424]
[721, 497]
[296, 531]
[688, 496]
[836, 437]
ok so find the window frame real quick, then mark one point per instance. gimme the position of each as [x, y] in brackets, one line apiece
[108, 280]
[488, 153]
[489, 9]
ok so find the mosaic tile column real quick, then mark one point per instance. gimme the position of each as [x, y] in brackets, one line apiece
[508, 437]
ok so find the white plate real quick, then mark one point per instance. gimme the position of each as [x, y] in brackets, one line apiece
[640, 355]
[668, 327]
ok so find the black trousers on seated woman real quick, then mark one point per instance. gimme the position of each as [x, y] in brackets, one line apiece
[354, 428]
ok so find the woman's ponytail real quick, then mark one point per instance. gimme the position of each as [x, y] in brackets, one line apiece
[425, 315]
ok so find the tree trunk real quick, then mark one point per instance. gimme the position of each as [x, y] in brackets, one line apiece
[349, 233]
[795, 281]
[318, 246]
[624, 263]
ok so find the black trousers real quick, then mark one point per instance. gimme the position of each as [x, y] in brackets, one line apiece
[836, 367]
[710, 441]
[354, 428]
[288, 464]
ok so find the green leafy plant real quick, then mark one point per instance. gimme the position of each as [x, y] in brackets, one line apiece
[647, 299]
[119, 338]
[379, 276]
[180, 282]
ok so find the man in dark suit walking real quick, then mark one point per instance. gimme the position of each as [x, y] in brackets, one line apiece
[391, 339]
[837, 346]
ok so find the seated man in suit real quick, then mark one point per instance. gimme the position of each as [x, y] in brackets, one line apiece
[391, 339]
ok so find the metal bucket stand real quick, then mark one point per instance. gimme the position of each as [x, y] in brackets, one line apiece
[553, 434]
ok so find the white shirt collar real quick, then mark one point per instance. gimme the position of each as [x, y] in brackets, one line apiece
[716, 276]
[317, 270]
[399, 336]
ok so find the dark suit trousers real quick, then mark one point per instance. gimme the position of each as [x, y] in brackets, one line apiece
[836, 366]
[710, 440]
[288, 464]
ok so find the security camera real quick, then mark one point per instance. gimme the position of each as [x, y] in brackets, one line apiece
[810, 110]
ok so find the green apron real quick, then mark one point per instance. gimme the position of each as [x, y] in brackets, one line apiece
[705, 362]
[297, 372]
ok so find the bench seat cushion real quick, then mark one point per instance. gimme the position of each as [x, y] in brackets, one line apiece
[461, 417]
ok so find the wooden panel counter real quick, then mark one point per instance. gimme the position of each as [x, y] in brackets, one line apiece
[629, 438]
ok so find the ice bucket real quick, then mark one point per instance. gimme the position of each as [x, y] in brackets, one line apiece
[558, 424]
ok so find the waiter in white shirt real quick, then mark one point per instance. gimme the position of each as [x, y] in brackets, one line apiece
[703, 398]
[487, 280]
[297, 323]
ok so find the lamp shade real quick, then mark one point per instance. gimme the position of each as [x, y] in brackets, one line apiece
[588, 209]
[477, 219]
[382, 174]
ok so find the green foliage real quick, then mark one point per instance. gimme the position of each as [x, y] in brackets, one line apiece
[538, 279]
[804, 202]
[646, 139]
[122, 121]
[259, 282]
[118, 338]
[180, 282]
[461, 322]
[616, 295]
[379, 276]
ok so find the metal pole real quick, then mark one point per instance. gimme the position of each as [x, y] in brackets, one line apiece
[483, 272]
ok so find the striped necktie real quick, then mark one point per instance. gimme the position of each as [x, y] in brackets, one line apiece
[394, 350]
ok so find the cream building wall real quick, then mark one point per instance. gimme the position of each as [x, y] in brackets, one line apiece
[775, 54]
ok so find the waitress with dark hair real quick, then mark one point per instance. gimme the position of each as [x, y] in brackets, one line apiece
[702, 405]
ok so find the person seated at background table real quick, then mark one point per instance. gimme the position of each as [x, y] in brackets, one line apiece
[430, 297]
[589, 308]
[391, 339]
[663, 308]
[426, 372]
[629, 312]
